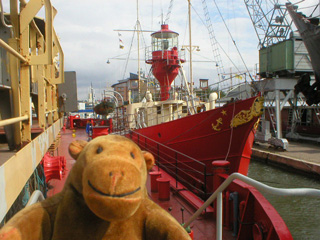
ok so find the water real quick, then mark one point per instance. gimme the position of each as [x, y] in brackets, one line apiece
[301, 214]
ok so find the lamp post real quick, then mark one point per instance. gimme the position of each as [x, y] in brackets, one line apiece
[190, 48]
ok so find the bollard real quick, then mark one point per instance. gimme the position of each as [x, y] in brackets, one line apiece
[219, 167]
[153, 180]
[164, 189]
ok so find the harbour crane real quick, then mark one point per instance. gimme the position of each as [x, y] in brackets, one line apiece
[270, 21]
[283, 59]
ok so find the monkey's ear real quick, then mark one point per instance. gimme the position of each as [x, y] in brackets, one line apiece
[76, 147]
[149, 158]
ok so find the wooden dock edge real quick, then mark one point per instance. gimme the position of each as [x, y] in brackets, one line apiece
[298, 165]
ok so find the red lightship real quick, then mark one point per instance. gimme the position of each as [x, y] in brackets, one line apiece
[224, 133]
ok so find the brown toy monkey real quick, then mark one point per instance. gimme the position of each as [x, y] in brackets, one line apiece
[104, 197]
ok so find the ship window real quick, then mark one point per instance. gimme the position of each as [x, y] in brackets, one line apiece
[158, 110]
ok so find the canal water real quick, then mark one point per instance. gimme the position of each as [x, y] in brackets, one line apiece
[301, 214]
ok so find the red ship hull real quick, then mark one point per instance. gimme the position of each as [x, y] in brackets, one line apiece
[204, 137]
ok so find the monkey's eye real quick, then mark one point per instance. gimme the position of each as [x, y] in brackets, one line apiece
[99, 149]
[132, 155]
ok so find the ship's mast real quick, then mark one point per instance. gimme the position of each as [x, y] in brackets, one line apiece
[190, 47]
[138, 38]
[138, 30]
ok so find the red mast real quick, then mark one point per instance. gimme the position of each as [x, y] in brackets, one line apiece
[165, 59]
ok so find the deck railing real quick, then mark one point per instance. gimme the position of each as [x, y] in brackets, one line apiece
[123, 121]
[190, 172]
[258, 185]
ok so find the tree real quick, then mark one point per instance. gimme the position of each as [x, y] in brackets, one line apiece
[104, 108]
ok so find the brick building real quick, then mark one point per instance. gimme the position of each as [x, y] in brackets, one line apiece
[130, 84]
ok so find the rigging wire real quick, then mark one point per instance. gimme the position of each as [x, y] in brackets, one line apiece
[152, 14]
[316, 5]
[137, 28]
[231, 133]
[169, 12]
[298, 2]
[119, 55]
[214, 45]
[126, 65]
[234, 42]
[217, 42]
[313, 17]
[145, 44]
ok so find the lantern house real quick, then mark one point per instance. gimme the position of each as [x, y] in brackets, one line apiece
[165, 58]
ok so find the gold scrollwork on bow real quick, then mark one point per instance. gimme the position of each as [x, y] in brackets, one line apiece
[245, 116]
[216, 126]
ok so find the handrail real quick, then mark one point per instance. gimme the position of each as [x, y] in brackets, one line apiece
[51, 111]
[36, 196]
[258, 185]
[12, 51]
[168, 148]
[13, 120]
[155, 117]
[167, 158]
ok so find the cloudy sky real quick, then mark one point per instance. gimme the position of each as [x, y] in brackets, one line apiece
[87, 34]
[86, 31]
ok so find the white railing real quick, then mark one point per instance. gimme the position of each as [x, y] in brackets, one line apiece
[36, 196]
[258, 185]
